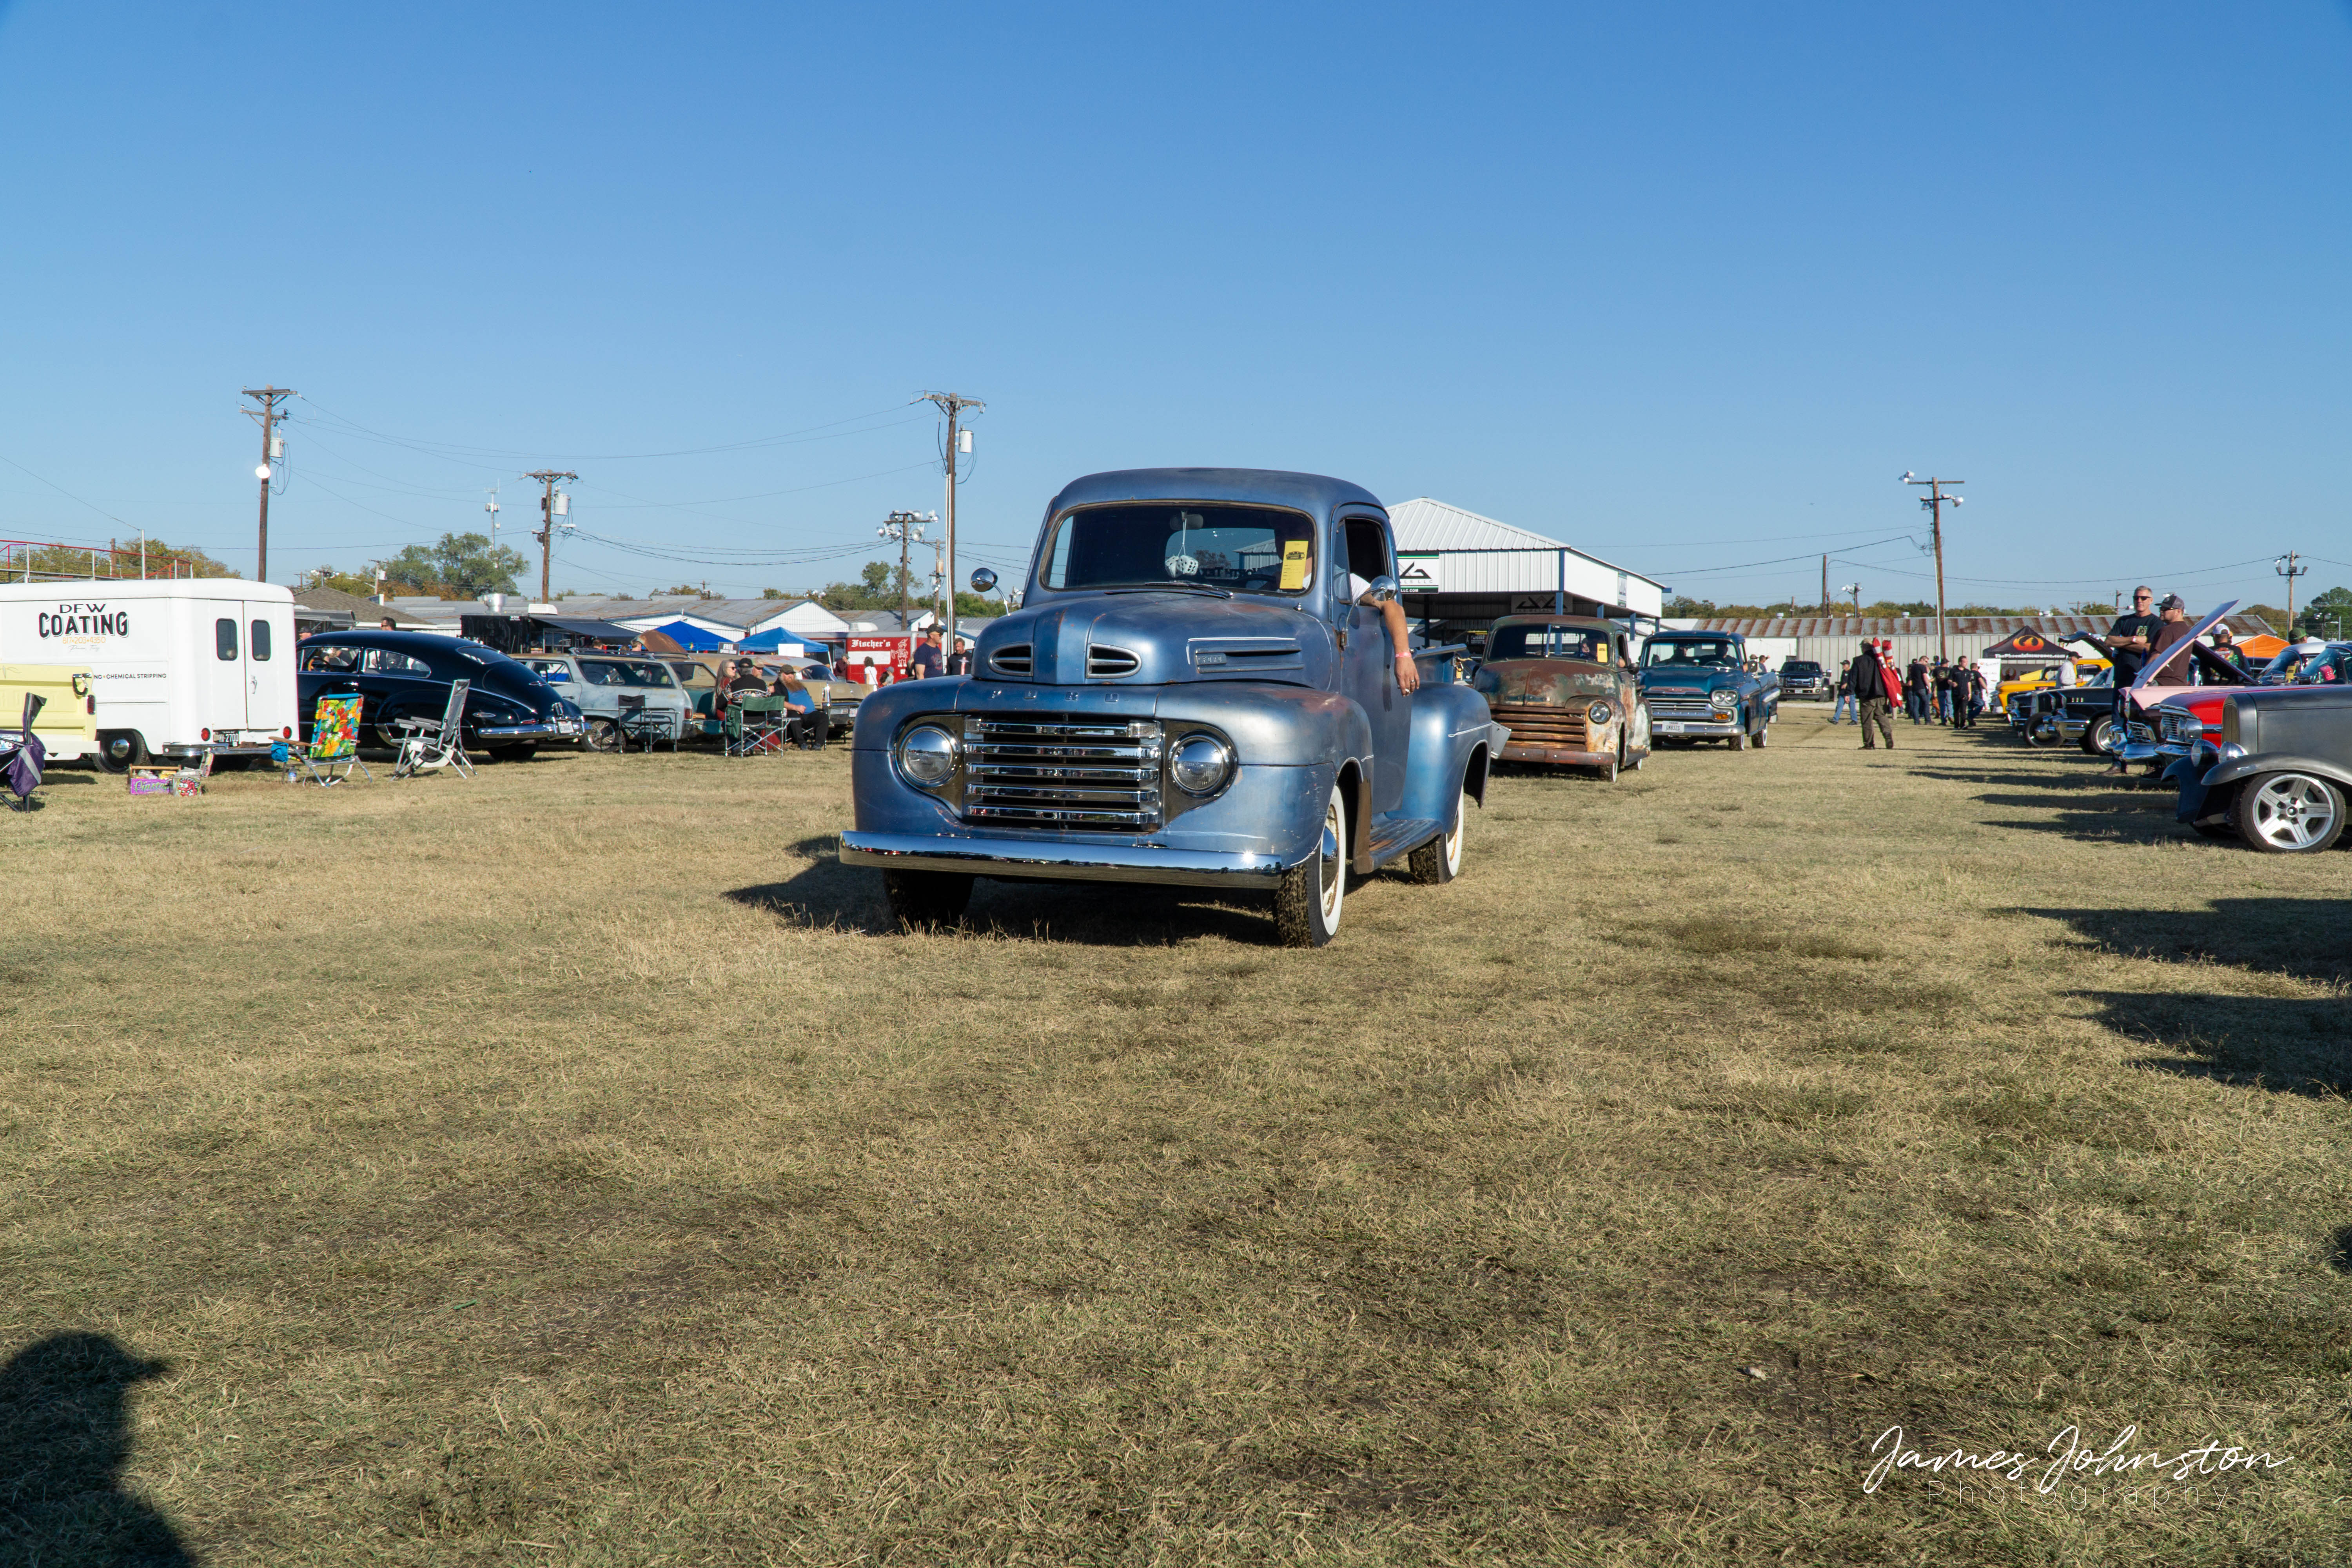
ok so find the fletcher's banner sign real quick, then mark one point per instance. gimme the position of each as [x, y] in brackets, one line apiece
[82, 622]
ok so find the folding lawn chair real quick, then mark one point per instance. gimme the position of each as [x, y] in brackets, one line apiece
[427, 746]
[646, 725]
[22, 754]
[334, 748]
[754, 725]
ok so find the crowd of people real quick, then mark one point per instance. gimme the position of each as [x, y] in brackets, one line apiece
[1930, 690]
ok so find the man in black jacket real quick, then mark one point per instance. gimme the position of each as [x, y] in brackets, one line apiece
[1866, 679]
[2128, 645]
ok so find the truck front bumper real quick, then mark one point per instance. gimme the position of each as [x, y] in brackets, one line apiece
[1060, 860]
[1563, 757]
[1696, 727]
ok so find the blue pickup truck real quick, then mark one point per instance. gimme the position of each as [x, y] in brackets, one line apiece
[1198, 690]
[1698, 686]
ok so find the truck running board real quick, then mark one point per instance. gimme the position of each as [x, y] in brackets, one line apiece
[1393, 836]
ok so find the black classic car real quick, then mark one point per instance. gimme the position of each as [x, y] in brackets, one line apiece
[2279, 774]
[510, 711]
[2053, 715]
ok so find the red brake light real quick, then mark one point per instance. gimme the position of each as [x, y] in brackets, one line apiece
[288, 733]
[89, 704]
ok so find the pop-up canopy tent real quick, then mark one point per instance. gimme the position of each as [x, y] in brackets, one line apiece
[690, 638]
[775, 639]
[2025, 643]
[2262, 646]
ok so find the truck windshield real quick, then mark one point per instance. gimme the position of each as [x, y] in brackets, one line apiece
[1711, 652]
[1549, 642]
[1240, 549]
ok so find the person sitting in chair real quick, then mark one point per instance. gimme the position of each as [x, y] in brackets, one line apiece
[804, 725]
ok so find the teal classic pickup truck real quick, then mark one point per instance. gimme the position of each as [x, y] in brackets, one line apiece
[1699, 688]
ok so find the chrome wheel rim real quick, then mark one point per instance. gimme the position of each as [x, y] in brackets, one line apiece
[2294, 811]
[1332, 874]
[1454, 839]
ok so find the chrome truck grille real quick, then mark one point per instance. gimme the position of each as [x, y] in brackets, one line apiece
[1544, 724]
[1680, 702]
[1062, 773]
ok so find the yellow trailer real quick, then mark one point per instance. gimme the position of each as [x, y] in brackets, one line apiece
[67, 724]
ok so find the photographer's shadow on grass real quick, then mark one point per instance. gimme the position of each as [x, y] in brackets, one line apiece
[832, 896]
[2304, 938]
[65, 1434]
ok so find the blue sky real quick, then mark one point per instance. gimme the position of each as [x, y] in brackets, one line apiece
[1688, 287]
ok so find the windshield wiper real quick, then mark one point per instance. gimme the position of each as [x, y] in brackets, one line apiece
[1171, 586]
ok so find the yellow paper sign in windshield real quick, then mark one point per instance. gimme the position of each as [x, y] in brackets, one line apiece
[1293, 563]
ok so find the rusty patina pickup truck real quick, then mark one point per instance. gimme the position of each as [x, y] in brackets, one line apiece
[1567, 690]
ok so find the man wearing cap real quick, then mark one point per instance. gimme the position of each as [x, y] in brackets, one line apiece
[2168, 650]
[1866, 679]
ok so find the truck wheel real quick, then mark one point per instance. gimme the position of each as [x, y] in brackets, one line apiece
[1607, 772]
[1307, 900]
[927, 897]
[1764, 735]
[118, 751]
[1440, 859]
[2289, 813]
[1738, 742]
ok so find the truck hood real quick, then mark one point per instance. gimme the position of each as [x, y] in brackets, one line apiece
[1545, 680]
[1146, 638]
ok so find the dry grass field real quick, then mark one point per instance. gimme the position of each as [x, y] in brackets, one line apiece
[572, 1166]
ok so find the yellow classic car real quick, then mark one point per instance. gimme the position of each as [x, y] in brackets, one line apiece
[67, 724]
[2036, 679]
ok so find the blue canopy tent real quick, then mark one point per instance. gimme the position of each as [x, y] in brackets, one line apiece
[775, 639]
[691, 637]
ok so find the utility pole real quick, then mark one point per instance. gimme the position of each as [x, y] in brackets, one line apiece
[1825, 585]
[952, 406]
[2285, 567]
[267, 416]
[1934, 501]
[907, 528]
[548, 513]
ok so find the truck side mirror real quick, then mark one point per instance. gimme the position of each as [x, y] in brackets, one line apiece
[1383, 590]
[983, 580]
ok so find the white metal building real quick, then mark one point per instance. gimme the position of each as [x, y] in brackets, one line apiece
[1464, 569]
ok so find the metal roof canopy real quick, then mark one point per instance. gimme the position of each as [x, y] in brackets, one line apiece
[1482, 558]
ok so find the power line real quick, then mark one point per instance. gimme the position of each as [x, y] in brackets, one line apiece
[1777, 561]
[809, 433]
[67, 493]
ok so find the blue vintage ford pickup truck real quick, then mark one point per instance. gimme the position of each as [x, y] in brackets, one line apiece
[1198, 690]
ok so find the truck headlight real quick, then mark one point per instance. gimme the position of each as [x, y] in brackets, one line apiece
[1199, 763]
[1599, 713]
[927, 756]
[1721, 700]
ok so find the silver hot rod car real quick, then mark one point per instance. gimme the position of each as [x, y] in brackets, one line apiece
[1200, 688]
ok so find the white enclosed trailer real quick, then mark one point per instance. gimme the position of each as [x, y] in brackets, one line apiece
[179, 666]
